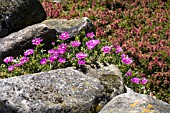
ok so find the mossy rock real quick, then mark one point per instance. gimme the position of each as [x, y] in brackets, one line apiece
[109, 76]
[110, 82]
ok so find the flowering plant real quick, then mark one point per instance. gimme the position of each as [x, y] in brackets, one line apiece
[140, 27]
[70, 53]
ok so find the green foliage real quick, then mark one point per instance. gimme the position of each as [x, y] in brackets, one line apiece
[141, 27]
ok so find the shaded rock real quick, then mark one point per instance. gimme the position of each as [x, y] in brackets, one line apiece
[132, 102]
[15, 43]
[110, 77]
[18, 14]
[57, 91]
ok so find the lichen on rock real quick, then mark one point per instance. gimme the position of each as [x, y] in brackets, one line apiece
[110, 82]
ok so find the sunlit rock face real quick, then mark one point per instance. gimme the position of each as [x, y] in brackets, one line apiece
[67, 90]
[132, 102]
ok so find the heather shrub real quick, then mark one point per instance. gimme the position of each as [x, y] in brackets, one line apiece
[141, 27]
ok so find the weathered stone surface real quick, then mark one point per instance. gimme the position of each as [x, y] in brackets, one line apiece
[132, 102]
[73, 26]
[18, 14]
[109, 75]
[15, 43]
[57, 91]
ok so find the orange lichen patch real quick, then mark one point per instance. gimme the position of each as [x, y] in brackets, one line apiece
[150, 106]
[134, 104]
[74, 88]
[146, 110]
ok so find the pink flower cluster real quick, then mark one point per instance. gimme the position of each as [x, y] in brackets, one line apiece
[81, 62]
[126, 59]
[62, 60]
[92, 43]
[118, 49]
[25, 58]
[37, 41]
[90, 35]
[28, 52]
[75, 43]
[106, 49]
[62, 48]
[129, 73]
[64, 36]
[43, 61]
[80, 56]
[8, 59]
[56, 54]
[137, 80]
[22, 60]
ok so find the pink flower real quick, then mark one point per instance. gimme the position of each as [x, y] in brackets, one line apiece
[92, 43]
[61, 51]
[28, 52]
[91, 35]
[81, 55]
[61, 60]
[81, 62]
[53, 43]
[53, 58]
[37, 41]
[8, 59]
[50, 51]
[53, 52]
[24, 60]
[18, 64]
[106, 49]
[123, 56]
[135, 80]
[64, 36]
[118, 49]
[75, 43]
[129, 73]
[144, 80]
[126, 59]
[62, 48]
[11, 68]
[43, 61]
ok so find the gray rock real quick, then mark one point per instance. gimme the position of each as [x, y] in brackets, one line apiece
[132, 102]
[73, 26]
[15, 43]
[110, 77]
[18, 14]
[57, 91]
